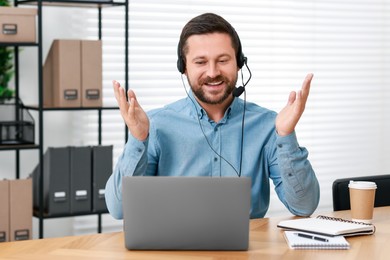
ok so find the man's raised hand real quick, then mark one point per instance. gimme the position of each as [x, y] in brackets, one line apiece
[132, 113]
[288, 118]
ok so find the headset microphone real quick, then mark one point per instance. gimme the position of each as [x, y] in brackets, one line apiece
[238, 91]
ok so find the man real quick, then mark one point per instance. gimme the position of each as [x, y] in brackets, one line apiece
[213, 133]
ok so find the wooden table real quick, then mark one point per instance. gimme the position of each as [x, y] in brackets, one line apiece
[266, 242]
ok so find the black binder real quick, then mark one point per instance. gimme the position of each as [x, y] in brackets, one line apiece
[80, 179]
[56, 182]
[101, 169]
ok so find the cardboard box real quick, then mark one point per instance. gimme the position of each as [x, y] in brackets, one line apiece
[17, 24]
[72, 74]
[20, 209]
[62, 75]
[91, 73]
[4, 211]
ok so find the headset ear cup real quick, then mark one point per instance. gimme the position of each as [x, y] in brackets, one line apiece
[241, 60]
[180, 65]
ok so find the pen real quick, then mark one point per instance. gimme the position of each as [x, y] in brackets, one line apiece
[312, 237]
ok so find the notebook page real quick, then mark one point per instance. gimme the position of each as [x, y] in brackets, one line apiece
[296, 242]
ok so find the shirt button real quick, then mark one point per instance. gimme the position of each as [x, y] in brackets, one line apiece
[215, 159]
[280, 145]
[139, 150]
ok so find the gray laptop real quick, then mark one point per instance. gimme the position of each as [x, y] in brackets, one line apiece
[186, 213]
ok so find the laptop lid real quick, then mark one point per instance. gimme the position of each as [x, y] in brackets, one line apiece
[186, 213]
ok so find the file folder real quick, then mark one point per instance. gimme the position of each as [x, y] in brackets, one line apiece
[62, 74]
[56, 184]
[91, 73]
[20, 209]
[102, 169]
[4, 211]
[80, 179]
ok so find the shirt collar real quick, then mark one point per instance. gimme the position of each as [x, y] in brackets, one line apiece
[200, 112]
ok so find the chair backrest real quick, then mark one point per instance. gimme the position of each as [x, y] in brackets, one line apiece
[340, 191]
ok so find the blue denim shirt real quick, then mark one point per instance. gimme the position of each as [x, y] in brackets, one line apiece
[177, 146]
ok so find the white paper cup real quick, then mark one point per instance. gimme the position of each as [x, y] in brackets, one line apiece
[362, 197]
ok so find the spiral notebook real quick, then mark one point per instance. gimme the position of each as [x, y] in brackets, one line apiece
[299, 240]
[328, 226]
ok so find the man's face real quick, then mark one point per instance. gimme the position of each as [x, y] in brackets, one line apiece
[211, 67]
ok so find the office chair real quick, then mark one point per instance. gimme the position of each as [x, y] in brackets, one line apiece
[340, 191]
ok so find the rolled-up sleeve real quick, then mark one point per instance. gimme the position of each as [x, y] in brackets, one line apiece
[297, 186]
[132, 162]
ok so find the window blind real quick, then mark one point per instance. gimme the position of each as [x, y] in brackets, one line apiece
[344, 43]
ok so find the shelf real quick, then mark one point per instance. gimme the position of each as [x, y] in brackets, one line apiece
[39, 108]
[73, 3]
[70, 108]
[36, 214]
[5, 147]
[25, 44]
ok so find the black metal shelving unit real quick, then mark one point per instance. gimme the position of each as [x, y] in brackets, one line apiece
[99, 4]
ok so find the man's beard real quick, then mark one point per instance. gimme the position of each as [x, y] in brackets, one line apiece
[200, 94]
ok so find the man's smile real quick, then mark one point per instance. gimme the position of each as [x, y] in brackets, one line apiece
[214, 83]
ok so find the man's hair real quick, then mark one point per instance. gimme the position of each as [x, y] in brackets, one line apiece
[205, 24]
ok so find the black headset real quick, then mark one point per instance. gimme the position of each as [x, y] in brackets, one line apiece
[241, 61]
[240, 57]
